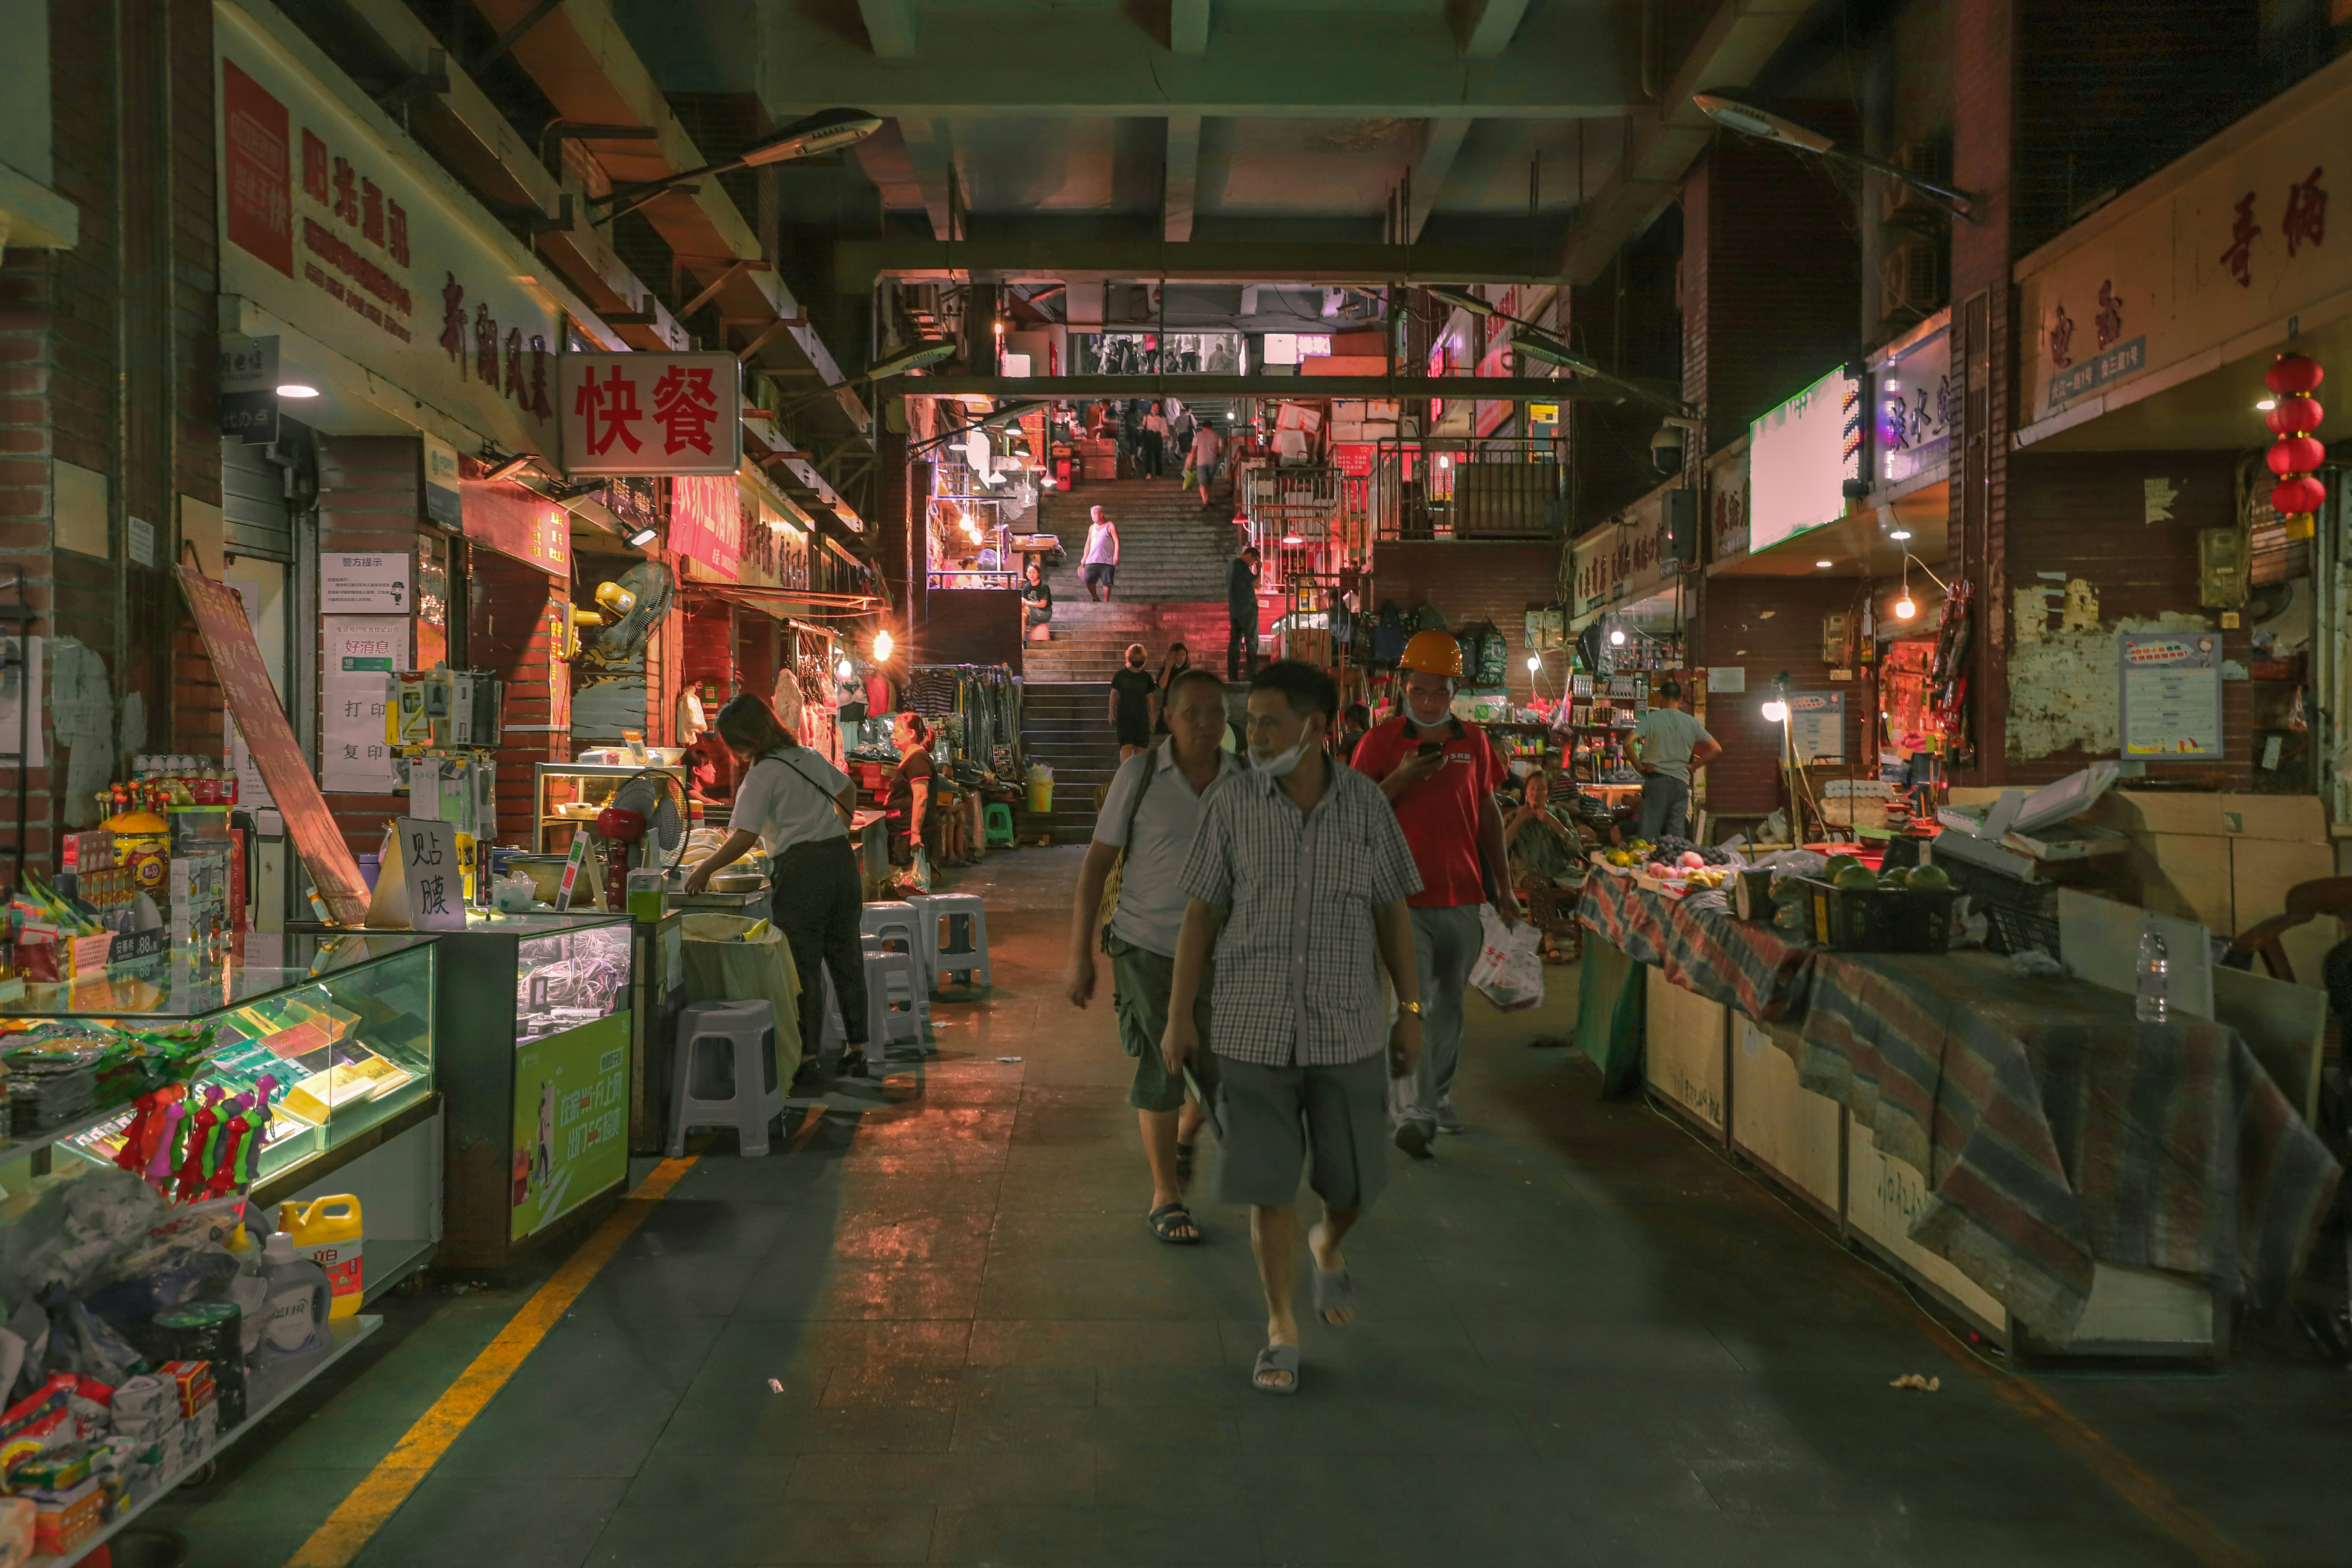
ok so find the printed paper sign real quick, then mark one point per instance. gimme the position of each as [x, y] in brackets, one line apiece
[650, 413]
[2171, 694]
[420, 884]
[361, 652]
[365, 585]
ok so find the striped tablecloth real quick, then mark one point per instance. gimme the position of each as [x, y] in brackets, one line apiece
[1742, 964]
[2053, 1130]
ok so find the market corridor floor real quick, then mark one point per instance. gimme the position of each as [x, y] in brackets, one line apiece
[941, 1332]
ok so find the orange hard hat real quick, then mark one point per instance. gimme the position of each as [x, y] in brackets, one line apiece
[1433, 653]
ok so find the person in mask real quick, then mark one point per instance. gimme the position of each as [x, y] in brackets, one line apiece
[1441, 776]
[1297, 882]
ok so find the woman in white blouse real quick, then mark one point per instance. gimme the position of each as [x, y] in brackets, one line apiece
[797, 804]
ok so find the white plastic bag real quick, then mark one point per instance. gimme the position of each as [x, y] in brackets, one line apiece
[1509, 971]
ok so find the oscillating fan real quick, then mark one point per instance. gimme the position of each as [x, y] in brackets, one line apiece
[645, 588]
[649, 796]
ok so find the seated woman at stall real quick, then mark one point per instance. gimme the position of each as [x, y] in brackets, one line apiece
[1036, 605]
[1546, 851]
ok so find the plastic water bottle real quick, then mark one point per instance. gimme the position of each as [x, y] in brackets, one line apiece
[2155, 976]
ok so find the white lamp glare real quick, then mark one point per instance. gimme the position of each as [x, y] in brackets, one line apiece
[1616, 638]
[1899, 534]
[1774, 712]
[1904, 608]
[842, 671]
[297, 389]
[1534, 663]
[882, 646]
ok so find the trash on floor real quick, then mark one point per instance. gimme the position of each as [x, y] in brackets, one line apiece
[1008, 1059]
[1912, 1380]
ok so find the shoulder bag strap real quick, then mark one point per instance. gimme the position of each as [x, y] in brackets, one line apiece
[1118, 877]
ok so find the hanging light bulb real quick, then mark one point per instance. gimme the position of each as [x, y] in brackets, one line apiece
[1616, 636]
[1774, 712]
[842, 671]
[1535, 663]
[882, 646]
[1904, 608]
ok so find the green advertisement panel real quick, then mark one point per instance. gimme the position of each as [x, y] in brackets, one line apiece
[571, 1129]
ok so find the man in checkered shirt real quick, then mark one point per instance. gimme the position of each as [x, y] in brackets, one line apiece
[1297, 879]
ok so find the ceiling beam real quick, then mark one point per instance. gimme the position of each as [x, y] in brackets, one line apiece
[1188, 26]
[1440, 141]
[890, 27]
[1181, 181]
[857, 262]
[1253, 62]
[1483, 388]
[927, 149]
[1739, 41]
[1486, 26]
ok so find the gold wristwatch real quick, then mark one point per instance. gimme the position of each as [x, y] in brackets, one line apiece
[1411, 1007]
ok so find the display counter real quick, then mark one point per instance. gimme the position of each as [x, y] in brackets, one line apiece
[344, 1026]
[535, 1018]
[2067, 1179]
[566, 796]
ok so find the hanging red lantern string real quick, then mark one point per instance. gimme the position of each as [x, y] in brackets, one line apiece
[2297, 453]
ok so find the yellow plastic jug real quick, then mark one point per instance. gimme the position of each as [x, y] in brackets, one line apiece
[328, 1231]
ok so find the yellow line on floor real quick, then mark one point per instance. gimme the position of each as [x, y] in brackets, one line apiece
[377, 1498]
[2198, 1535]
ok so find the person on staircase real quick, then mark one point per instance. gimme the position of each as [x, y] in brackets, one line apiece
[1100, 567]
[1441, 776]
[1241, 616]
[1208, 448]
[1131, 692]
[1179, 660]
[1036, 605]
[1148, 816]
[1155, 442]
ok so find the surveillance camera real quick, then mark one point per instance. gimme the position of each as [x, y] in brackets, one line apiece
[1666, 450]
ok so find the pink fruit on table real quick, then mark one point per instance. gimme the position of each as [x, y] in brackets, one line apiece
[1693, 858]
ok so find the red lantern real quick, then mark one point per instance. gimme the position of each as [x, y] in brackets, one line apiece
[2293, 376]
[2294, 417]
[2296, 455]
[2300, 494]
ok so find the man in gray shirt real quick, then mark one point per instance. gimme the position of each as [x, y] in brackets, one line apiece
[1150, 812]
[1671, 746]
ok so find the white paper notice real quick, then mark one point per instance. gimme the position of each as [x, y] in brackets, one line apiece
[365, 585]
[361, 652]
[2171, 694]
[20, 674]
[143, 542]
[252, 789]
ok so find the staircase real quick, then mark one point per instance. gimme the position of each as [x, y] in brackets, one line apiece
[1173, 556]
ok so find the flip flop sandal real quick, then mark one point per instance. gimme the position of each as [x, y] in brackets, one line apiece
[1184, 1162]
[1276, 1358]
[1164, 1220]
[1333, 1292]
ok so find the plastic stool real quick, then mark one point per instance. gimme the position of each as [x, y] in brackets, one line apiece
[748, 1029]
[949, 942]
[889, 1021]
[999, 819]
[875, 944]
[893, 923]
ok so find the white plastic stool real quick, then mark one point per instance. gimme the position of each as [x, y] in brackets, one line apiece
[893, 922]
[940, 912]
[749, 1031]
[889, 1021]
[873, 945]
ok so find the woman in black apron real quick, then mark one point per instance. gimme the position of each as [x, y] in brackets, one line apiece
[798, 805]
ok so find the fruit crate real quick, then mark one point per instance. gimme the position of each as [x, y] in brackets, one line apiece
[1878, 920]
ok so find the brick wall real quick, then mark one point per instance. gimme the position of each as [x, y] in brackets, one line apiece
[1767, 626]
[508, 607]
[2085, 514]
[1771, 280]
[707, 643]
[979, 626]
[106, 362]
[371, 499]
[1984, 86]
[757, 638]
[1471, 581]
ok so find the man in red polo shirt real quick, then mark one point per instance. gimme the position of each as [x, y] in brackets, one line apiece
[1441, 776]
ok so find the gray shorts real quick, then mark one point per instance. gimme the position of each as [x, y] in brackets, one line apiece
[1335, 1121]
[1142, 982]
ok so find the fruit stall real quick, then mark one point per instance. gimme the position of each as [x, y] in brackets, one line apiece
[1968, 1119]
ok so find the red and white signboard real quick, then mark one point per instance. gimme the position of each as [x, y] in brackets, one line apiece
[650, 413]
[705, 524]
[253, 702]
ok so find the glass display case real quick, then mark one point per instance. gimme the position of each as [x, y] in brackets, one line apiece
[535, 1067]
[568, 795]
[343, 1030]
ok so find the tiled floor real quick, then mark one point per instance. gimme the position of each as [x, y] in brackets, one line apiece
[940, 1332]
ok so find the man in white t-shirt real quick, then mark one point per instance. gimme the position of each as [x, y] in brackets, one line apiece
[1672, 745]
[1100, 565]
[1208, 450]
[1171, 779]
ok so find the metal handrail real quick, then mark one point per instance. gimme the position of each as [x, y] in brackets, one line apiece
[1468, 487]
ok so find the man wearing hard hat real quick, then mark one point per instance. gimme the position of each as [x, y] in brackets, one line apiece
[1441, 776]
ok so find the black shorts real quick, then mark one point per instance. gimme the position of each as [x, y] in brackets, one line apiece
[1134, 734]
[1102, 574]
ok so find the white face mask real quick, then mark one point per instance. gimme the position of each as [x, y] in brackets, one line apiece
[1282, 764]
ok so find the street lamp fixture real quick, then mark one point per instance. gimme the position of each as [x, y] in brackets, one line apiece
[827, 130]
[1011, 414]
[1737, 111]
[1533, 342]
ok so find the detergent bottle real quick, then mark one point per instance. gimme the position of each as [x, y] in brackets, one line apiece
[295, 1321]
[329, 1232]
